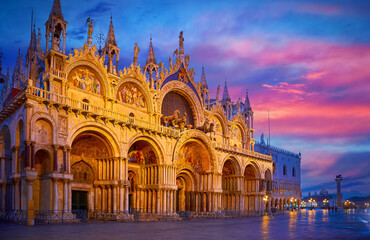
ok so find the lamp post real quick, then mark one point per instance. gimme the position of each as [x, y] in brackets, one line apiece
[325, 201]
[310, 201]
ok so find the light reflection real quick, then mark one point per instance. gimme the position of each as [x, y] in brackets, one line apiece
[265, 227]
[292, 223]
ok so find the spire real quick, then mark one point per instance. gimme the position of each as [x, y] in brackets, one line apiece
[111, 39]
[33, 40]
[18, 73]
[247, 104]
[56, 10]
[151, 58]
[226, 96]
[203, 80]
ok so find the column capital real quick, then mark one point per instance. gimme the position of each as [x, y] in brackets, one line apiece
[27, 143]
[33, 143]
[55, 146]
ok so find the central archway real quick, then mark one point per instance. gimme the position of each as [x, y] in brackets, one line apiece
[92, 160]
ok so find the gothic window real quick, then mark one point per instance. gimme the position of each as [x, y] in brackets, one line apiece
[129, 93]
[174, 101]
[284, 170]
[293, 172]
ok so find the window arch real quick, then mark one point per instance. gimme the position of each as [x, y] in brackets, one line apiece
[284, 170]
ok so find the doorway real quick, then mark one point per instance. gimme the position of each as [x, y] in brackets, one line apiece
[79, 200]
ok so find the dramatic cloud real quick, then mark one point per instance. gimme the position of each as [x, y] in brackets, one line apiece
[307, 62]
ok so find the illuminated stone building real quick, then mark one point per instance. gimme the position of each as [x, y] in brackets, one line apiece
[286, 184]
[76, 133]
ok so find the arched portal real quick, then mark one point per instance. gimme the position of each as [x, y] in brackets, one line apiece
[92, 160]
[230, 199]
[196, 159]
[251, 202]
[185, 197]
[143, 165]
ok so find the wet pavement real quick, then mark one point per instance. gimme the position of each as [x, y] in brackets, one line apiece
[304, 224]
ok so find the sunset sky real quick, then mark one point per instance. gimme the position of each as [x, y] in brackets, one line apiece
[308, 62]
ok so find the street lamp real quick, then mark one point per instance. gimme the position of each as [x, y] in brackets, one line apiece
[325, 201]
[310, 201]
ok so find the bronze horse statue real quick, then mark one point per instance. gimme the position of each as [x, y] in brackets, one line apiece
[172, 120]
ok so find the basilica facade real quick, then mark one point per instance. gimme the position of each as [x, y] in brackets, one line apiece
[77, 133]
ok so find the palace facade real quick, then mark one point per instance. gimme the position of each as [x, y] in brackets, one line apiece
[77, 133]
[286, 172]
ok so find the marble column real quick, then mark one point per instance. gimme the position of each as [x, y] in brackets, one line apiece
[56, 147]
[33, 156]
[55, 195]
[114, 199]
[121, 198]
[65, 199]
[126, 198]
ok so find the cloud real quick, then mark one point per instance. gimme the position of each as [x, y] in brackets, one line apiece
[99, 9]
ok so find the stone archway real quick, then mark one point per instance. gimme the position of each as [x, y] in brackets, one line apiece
[92, 161]
[194, 156]
[185, 195]
[251, 188]
[230, 185]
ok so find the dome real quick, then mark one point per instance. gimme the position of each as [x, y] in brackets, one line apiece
[324, 192]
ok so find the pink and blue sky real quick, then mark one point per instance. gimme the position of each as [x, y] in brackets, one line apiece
[308, 62]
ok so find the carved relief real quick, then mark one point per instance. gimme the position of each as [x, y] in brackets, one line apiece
[43, 132]
[62, 124]
[217, 125]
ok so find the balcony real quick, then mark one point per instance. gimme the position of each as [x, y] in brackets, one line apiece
[241, 151]
[88, 110]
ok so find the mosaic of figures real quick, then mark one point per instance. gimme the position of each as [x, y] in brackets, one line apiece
[90, 146]
[195, 156]
[142, 153]
[129, 93]
[86, 79]
[228, 169]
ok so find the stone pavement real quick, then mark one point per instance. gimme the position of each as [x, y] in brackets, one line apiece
[305, 224]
